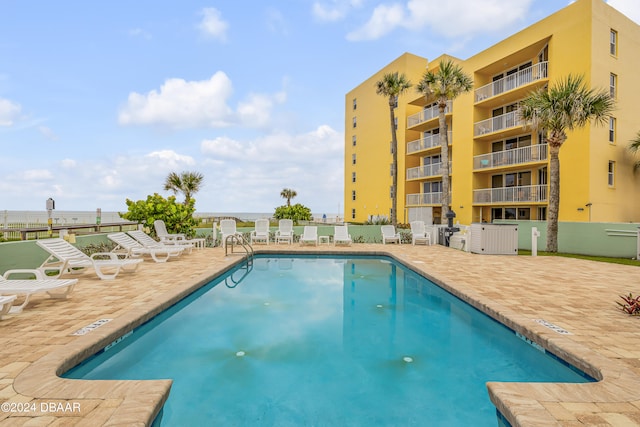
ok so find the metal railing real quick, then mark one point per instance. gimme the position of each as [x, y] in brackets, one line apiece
[427, 114]
[516, 156]
[424, 199]
[521, 194]
[425, 171]
[512, 81]
[238, 238]
[495, 124]
[426, 142]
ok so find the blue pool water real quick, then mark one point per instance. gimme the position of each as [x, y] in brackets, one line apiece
[318, 341]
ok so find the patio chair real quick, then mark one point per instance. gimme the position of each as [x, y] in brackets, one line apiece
[148, 242]
[228, 228]
[419, 234]
[341, 235]
[175, 239]
[261, 232]
[309, 235]
[66, 258]
[131, 248]
[389, 234]
[56, 288]
[284, 234]
[6, 302]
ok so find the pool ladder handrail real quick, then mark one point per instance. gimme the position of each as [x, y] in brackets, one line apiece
[232, 238]
[248, 266]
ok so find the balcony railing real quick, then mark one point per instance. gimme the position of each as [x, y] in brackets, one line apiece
[495, 124]
[523, 77]
[427, 114]
[524, 194]
[424, 199]
[516, 156]
[426, 171]
[426, 142]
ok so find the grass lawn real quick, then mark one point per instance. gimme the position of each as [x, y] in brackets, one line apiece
[626, 261]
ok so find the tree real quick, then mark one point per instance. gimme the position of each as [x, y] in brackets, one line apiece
[288, 194]
[566, 106]
[634, 148]
[296, 213]
[178, 217]
[186, 183]
[392, 86]
[442, 85]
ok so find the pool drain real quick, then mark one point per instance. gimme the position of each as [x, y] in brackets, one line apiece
[408, 359]
[240, 353]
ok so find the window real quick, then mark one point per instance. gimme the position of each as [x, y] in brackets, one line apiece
[353, 214]
[542, 213]
[353, 195]
[613, 43]
[391, 169]
[612, 130]
[355, 103]
[355, 122]
[353, 140]
[611, 174]
[391, 191]
[353, 159]
[353, 177]
[613, 83]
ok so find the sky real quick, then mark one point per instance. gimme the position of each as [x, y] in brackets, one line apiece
[100, 101]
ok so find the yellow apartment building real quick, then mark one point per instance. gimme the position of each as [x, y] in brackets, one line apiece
[499, 166]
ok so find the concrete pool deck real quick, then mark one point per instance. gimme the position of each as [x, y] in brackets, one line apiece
[575, 295]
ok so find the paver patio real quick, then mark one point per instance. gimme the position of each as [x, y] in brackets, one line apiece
[576, 295]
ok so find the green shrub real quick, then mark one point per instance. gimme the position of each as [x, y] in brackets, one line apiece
[295, 212]
[178, 217]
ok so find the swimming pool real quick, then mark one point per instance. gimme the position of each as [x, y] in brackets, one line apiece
[325, 341]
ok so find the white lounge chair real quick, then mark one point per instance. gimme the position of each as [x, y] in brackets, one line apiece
[228, 228]
[389, 234]
[6, 302]
[284, 234]
[148, 242]
[341, 235]
[309, 235]
[261, 232]
[131, 248]
[419, 234]
[175, 239]
[56, 288]
[66, 258]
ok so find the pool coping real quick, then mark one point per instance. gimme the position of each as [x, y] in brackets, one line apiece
[139, 402]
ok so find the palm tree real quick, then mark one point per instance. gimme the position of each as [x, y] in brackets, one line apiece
[392, 86]
[634, 148]
[442, 85]
[566, 106]
[186, 183]
[288, 194]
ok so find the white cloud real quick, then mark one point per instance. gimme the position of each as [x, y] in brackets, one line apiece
[68, 163]
[37, 175]
[169, 159]
[383, 20]
[254, 172]
[191, 104]
[631, 8]
[212, 24]
[333, 10]
[9, 112]
[276, 22]
[453, 18]
[47, 133]
[181, 103]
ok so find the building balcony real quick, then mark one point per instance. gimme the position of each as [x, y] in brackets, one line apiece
[516, 156]
[503, 122]
[501, 195]
[421, 199]
[426, 171]
[427, 114]
[513, 81]
[426, 143]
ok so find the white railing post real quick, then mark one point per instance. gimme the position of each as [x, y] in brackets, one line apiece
[534, 241]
